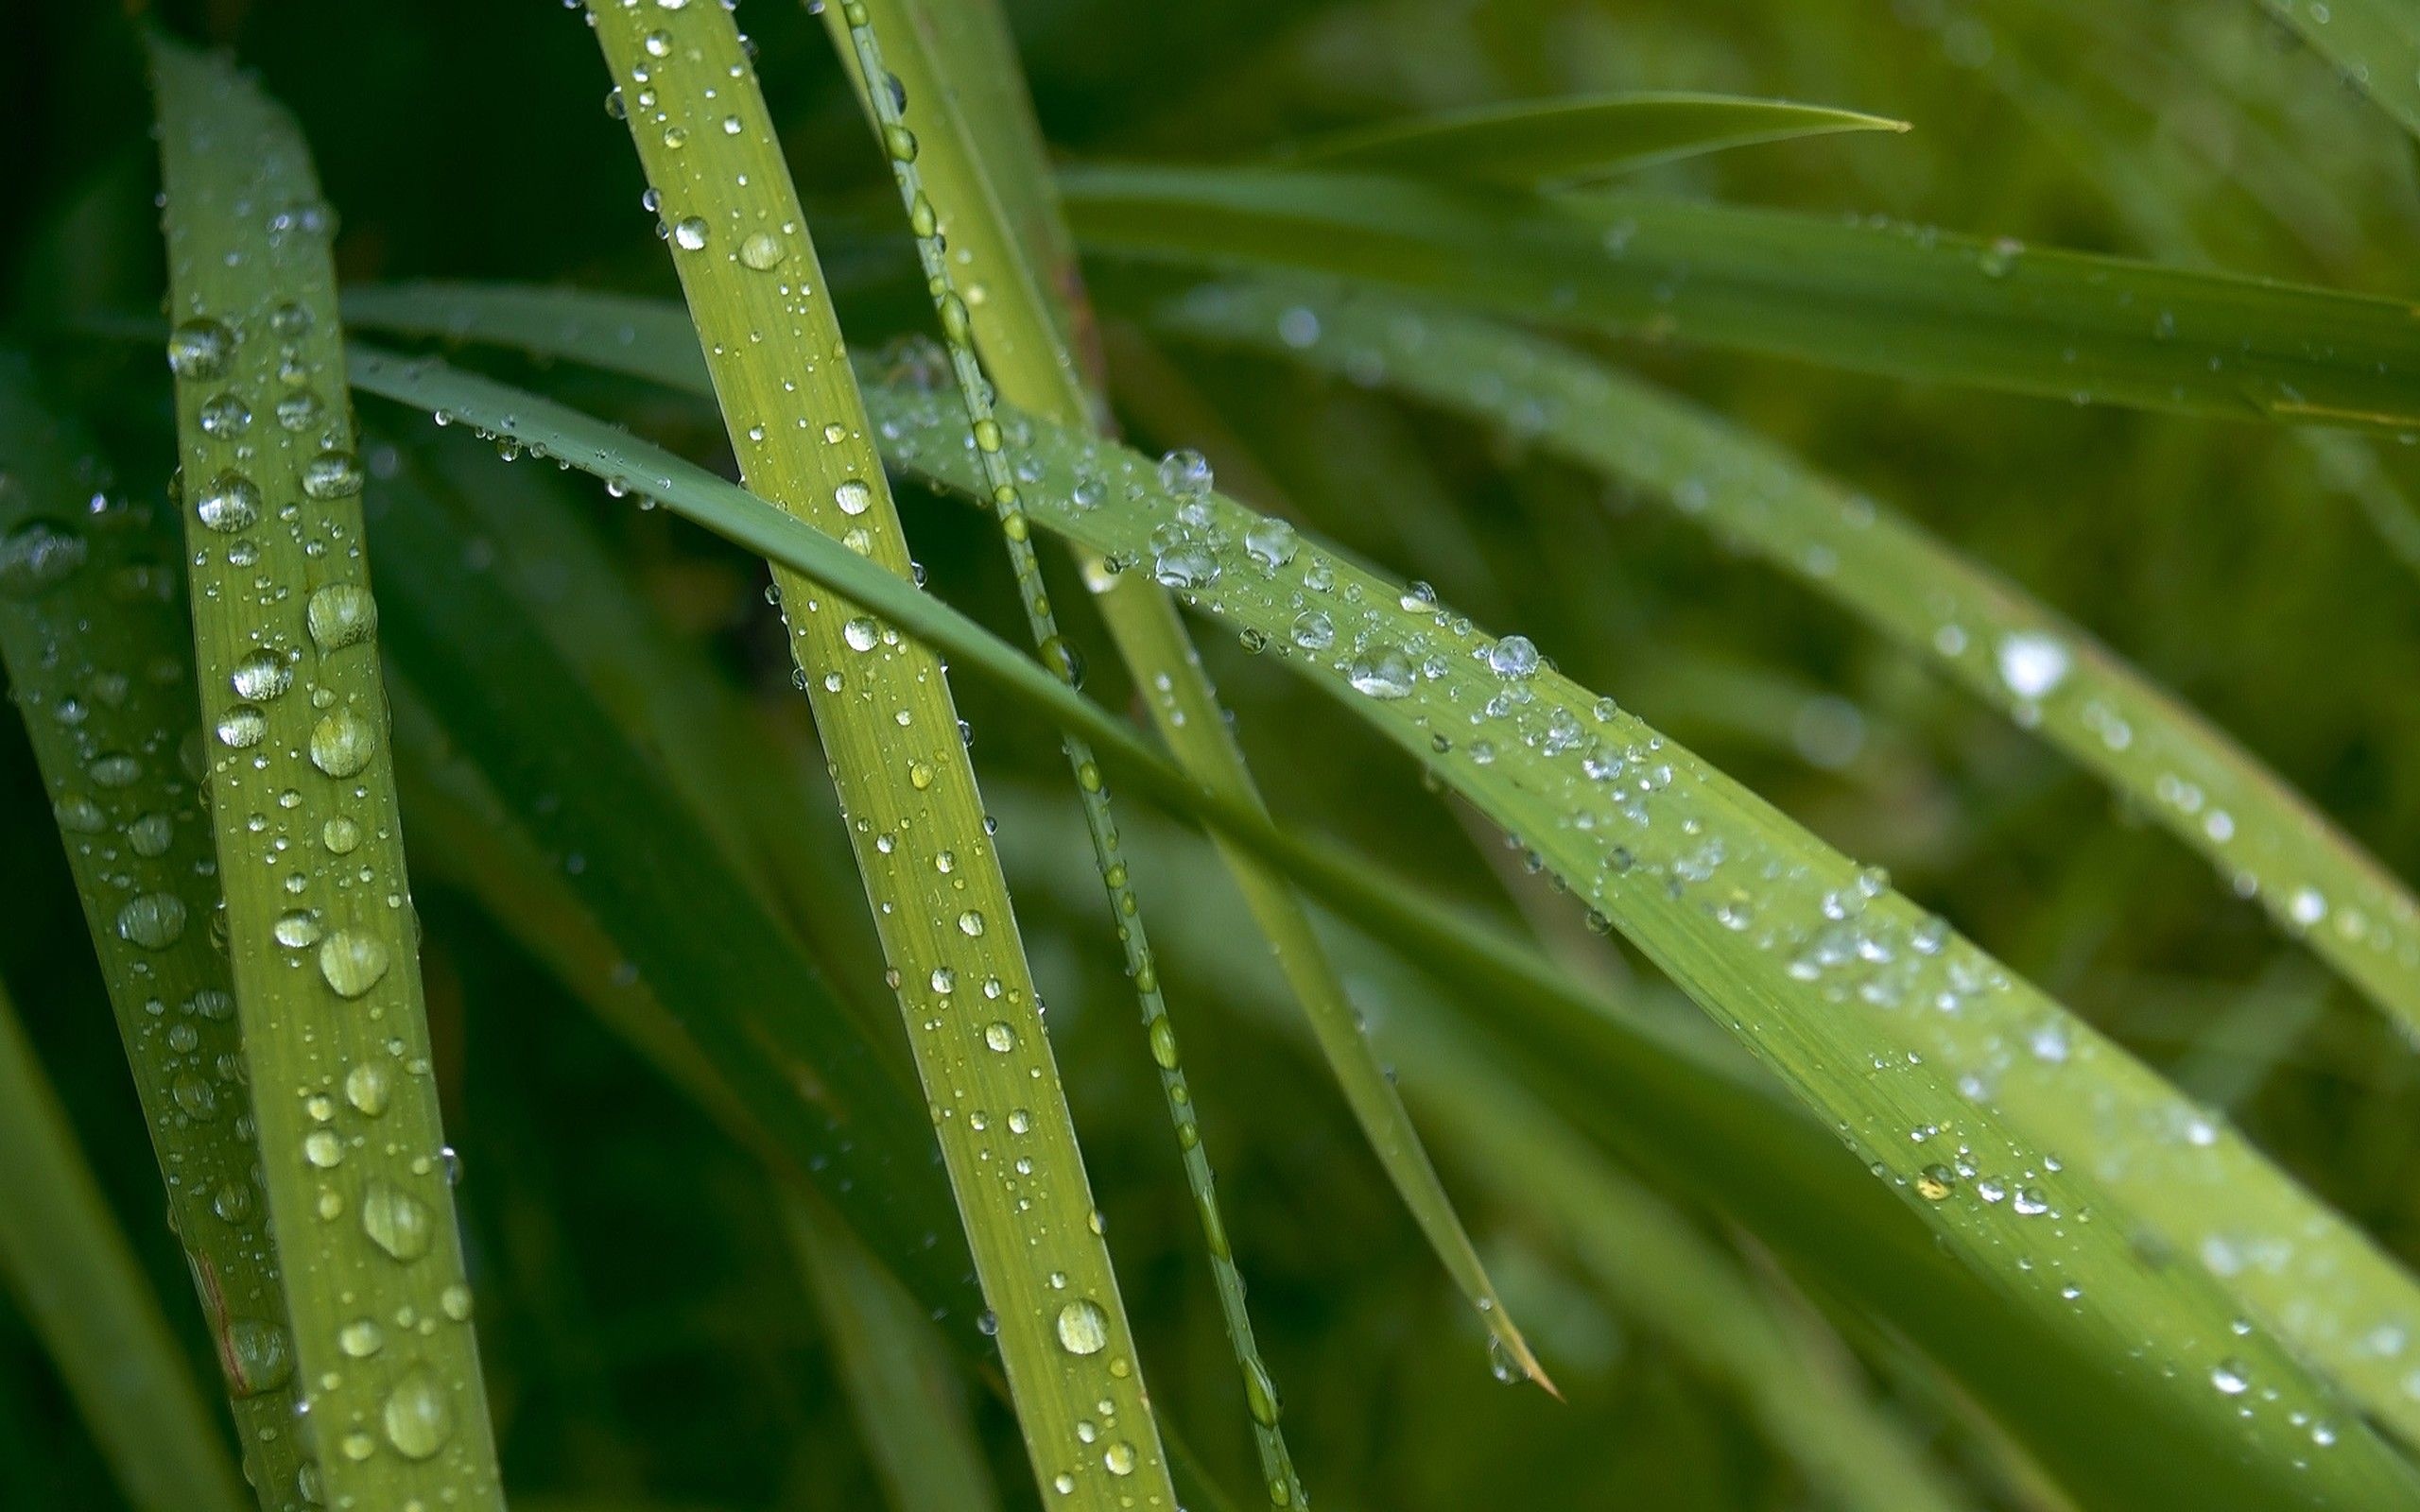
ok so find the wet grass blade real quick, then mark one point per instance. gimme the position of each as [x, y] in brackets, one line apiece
[2025, 659]
[1653, 1267]
[902, 1391]
[1901, 302]
[1569, 144]
[882, 705]
[63, 1257]
[2376, 44]
[974, 389]
[2022, 1120]
[99, 654]
[320, 933]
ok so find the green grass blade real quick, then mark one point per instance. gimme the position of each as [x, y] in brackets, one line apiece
[1653, 1265]
[984, 194]
[2036, 1115]
[2376, 43]
[99, 652]
[1566, 144]
[320, 933]
[62, 1256]
[882, 704]
[1897, 301]
[2015, 653]
[905, 1396]
[975, 390]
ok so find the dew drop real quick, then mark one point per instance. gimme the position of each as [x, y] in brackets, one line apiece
[397, 1222]
[341, 743]
[763, 251]
[261, 677]
[38, 556]
[1084, 1328]
[228, 503]
[332, 474]
[351, 962]
[341, 614]
[154, 921]
[200, 349]
[417, 1419]
[690, 234]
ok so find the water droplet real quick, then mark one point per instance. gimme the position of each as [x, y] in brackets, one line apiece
[455, 1302]
[862, 633]
[1260, 1394]
[1162, 1038]
[261, 677]
[242, 727]
[970, 923]
[340, 834]
[332, 474]
[367, 1087]
[2231, 1377]
[1084, 1328]
[341, 743]
[1119, 1458]
[417, 1419]
[2033, 663]
[1386, 674]
[1271, 542]
[225, 417]
[690, 234]
[297, 929]
[259, 1357]
[1935, 1182]
[853, 496]
[361, 1338]
[324, 1149]
[1000, 1035]
[37, 556]
[396, 1221]
[763, 251]
[1512, 658]
[1185, 473]
[341, 614]
[200, 349]
[299, 412]
[228, 503]
[154, 921]
[351, 962]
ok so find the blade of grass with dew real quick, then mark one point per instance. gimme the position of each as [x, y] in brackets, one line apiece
[2376, 43]
[881, 703]
[302, 792]
[2163, 1179]
[99, 653]
[63, 1255]
[1565, 144]
[1126, 915]
[2266, 840]
[1896, 300]
[1653, 1265]
[901, 1390]
[689, 933]
[969, 161]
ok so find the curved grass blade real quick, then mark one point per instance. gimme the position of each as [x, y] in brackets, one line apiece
[1570, 144]
[993, 186]
[1896, 300]
[1651, 1264]
[99, 654]
[301, 794]
[901, 1390]
[62, 1254]
[2016, 654]
[2376, 43]
[881, 703]
[1905, 1037]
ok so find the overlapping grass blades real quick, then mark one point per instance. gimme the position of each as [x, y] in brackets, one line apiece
[321, 936]
[992, 202]
[1902, 301]
[99, 653]
[66, 1264]
[2376, 43]
[2042, 1155]
[2017, 653]
[1654, 1269]
[1571, 143]
[975, 390]
[790, 405]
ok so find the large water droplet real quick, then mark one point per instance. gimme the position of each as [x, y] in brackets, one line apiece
[1084, 1328]
[332, 474]
[259, 1357]
[261, 677]
[417, 1419]
[689, 234]
[154, 921]
[1185, 473]
[1512, 658]
[763, 251]
[200, 349]
[351, 962]
[341, 614]
[396, 1221]
[229, 502]
[341, 743]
